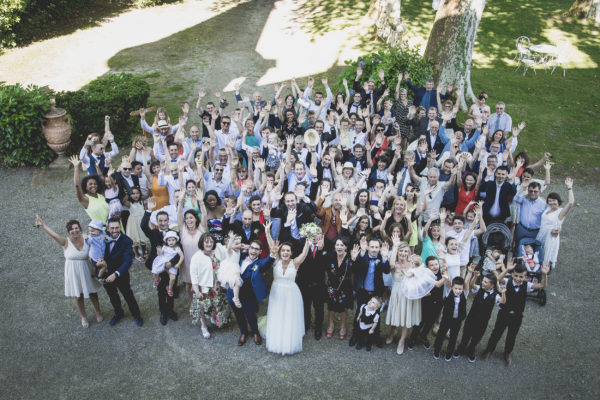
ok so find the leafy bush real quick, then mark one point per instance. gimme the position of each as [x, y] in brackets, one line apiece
[22, 111]
[393, 61]
[151, 3]
[115, 95]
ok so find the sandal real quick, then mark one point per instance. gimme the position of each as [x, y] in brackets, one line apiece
[156, 281]
[170, 292]
[329, 334]
[99, 318]
[84, 322]
[389, 340]
[342, 335]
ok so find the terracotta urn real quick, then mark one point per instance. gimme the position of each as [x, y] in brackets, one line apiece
[56, 128]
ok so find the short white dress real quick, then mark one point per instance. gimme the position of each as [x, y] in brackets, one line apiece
[78, 272]
[285, 315]
[401, 310]
[550, 221]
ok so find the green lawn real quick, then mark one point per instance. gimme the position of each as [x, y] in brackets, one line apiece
[558, 110]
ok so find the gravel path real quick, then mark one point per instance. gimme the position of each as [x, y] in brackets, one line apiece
[46, 353]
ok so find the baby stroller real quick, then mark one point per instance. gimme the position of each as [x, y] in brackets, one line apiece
[497, 236]
[537, 295]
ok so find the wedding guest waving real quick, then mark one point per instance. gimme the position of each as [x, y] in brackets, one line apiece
[118, 258]
[79, 283]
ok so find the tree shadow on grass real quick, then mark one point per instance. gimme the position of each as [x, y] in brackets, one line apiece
[207, 55]
[321, 16]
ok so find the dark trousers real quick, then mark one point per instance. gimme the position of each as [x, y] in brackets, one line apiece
[121, 284]
[364, 338]
[452, 324]
[505, 320]
[472, 334]
[245, 315]
[313, 295]
[430, 312]
[165, 302]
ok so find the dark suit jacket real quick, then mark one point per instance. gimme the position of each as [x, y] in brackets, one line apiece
[507, 191]
[440, 141]
[377, 92]
[424, 124]
[120, 258]
[361, 267]
[312, 270]
[420, 92]
[257, 232]
[253, 279]
[305, 213]
[156, 239]
[122, 182]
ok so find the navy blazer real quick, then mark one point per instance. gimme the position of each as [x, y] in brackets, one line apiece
[420, 92]
[361, 267]
[119, 260]
[507, 191]
[253, 275]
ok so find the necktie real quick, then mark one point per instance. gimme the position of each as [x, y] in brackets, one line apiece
[314, 252]
[497, 123]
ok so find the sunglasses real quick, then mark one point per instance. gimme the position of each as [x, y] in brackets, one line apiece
[380, 130]
[126, 169]
[225, 123]
[218, 170]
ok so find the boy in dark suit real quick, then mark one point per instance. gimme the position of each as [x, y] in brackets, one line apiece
[455, 311]
[118, 257]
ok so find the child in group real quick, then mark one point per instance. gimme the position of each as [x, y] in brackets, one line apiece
[511, 308]
[368, 318]
[431, 304]
[97, 242]
[228, 273]
[455, 311]
[271, 152]
[165, 254]
[133, 229]
[493, 261]
[531, 258]
[476, 323]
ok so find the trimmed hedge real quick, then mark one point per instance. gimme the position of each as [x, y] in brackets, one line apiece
[22, 111]
[393, 61]
[115, 95]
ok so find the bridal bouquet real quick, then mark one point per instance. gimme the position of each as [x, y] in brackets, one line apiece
[310, 230]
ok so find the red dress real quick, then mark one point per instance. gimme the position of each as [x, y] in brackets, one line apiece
[463, 199]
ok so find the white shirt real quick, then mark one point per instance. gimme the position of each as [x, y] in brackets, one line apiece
[495, 209]
[465, 248]
[456, 304]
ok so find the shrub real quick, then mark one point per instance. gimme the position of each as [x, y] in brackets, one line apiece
[115, 95]
[22, 111]
[393, 61]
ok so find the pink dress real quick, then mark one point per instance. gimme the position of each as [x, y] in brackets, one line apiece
[189, 243]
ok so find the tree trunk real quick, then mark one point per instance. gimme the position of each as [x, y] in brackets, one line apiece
[451, 42]
[586, 9]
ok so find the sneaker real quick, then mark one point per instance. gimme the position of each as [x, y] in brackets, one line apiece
[448, 357]
[436, 355]
[472, 358]
[455, 354]
[170, 292]
[358, 347]
[426, 344]
[156, 281]
[368, 348]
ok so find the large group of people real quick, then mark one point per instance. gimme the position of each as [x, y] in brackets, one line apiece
[364, 201]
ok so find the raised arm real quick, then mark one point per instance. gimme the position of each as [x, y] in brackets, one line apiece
[567, 208]
[302, 256]
[82, 198]
[39, 222]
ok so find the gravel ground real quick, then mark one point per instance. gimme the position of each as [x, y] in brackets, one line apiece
[46, 353]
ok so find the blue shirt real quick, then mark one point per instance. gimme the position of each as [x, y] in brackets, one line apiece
[531, 211]
[370, 278]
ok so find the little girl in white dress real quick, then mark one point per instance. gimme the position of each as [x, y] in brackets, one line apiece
[166, 254]
[228, 273]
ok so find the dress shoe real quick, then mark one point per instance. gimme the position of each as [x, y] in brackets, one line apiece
[436, 354]
[426, 344]
[353, 340]
[242, 340]
[163, 319]
[257, 339]
[485, 355]
[173, 316]
[472, 357]
[115, 319]
[318, 334]
[507, 359]
[139, 321]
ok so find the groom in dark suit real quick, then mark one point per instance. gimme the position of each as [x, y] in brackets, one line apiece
[311, 281]
[252, 292]
[118, 257]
